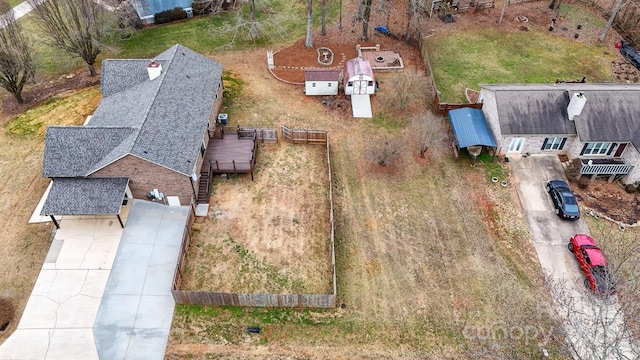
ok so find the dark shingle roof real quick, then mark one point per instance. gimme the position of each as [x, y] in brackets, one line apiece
[534, 112]
[85, 196]
[470, 128]
[72, 151]
[165, 117]
[610, 116]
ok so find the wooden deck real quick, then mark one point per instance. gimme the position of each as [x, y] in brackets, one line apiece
[230, 154]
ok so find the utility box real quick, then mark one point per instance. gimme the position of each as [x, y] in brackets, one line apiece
[223, 119]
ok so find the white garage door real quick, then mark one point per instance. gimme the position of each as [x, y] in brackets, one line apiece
[361, 106]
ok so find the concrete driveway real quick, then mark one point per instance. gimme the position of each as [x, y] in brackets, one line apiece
[104, 292]
[550, 234]
[590, 316]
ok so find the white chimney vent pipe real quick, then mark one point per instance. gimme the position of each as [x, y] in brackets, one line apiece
[576, 104]
[155, 69]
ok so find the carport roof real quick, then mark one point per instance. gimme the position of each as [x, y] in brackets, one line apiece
[470, 128]
[85, 196]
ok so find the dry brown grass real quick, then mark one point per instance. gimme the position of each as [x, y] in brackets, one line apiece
[421, 251]
[24, 246]
[270, 235]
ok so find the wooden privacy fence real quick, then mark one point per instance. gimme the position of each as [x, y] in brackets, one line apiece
[256, 300]
[208, 298]
[440, 108]
[443, 108]
[304, 136]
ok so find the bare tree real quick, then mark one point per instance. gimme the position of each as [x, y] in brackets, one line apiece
[415, 11]
[366, 14]
[309, 40]
[324, 16]
[603, 326]
[428, 131]
[614, 12]
[402, 90]
[16, 62]
[78, 27]
[254, 23]
[385, 151]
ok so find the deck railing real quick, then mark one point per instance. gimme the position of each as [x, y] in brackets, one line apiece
[605, 169]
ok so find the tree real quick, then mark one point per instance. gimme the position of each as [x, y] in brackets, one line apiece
[427, 130]
[603, 326]
[253, 31]
[16, 62]
[385, 151]
[415, 10]
[309, 40]
[614, 12]
[77, 27]
[365, 19]
[324, 16]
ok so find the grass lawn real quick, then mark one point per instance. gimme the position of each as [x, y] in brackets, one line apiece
[467, 59]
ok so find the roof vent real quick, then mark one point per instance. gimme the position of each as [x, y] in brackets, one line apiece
[576, 104]
[154, 68]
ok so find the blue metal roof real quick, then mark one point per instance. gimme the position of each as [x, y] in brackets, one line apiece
[470, 128]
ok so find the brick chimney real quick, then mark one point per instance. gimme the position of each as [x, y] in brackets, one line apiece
[154, 69]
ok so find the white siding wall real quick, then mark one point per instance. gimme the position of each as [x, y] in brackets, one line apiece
[348, 90]
[533, 144]
[632, 157]
[321, 88]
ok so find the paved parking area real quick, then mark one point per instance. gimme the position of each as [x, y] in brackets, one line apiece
[550, 234]
[589, 315]
[104, 292]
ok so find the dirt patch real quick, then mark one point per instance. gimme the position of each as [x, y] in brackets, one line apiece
[6, 313]
[610, 199]
[44, 91]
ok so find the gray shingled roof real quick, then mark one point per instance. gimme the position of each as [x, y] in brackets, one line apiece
[610, 116]
[85, 196]
[74, 151]
[166, 117]
[534, 112]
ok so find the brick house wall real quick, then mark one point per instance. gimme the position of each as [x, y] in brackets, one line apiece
[145, 176]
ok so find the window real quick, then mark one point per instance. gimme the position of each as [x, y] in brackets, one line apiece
[553, 143]
[203, 148]
[350, 83]
[516, 145]
[596, 148]
[328, 84]
[313, 84]
[370, 83]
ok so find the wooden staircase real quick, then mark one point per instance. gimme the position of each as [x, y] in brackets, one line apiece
[203, 187]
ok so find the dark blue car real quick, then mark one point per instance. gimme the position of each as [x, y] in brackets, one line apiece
[563, 200]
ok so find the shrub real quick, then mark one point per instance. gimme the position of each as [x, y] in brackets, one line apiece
[168, 16]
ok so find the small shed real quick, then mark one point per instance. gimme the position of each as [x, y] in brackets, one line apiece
[358, 77]
[359, 83]
[321, 81]
[471, 130]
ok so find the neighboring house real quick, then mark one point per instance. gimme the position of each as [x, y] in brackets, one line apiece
[321, 81]
[146, 9]
[359, 83]
[148, 136]
[598, 123]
